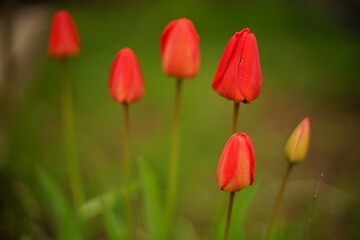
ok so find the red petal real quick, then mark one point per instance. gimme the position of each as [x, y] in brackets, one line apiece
[227, 162]
[226, 81]
[250, 78]
[165, 35]
[251, 159]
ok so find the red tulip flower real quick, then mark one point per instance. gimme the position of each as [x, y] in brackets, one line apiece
[64, 39]
[238, 76]
[126, 81]
[180, 49]
[235, 169]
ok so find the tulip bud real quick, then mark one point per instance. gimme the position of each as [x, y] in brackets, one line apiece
[179, 45]
[126, 82]
[64, 39]
[297, 144]
[235, 169]
[238, 76]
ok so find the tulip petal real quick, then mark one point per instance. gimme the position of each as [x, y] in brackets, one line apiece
[226, 81]
[251, 158]
[227, 163]
[227, 56]
[224, 61]
[230, 83]
[249, 69]
[165, 36]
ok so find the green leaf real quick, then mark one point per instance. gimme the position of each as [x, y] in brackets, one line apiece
[114, 228]
[94, 206]
[241, 204]
[154, 212]
[220, 217]
[67, 226]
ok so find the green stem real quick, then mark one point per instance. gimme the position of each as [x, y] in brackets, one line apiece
[235, 117]
[229, 213]
[127, 169]
[69, 138]
[174, 153]
[279, 198]
[126, 148]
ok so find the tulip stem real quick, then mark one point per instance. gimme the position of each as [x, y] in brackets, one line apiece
[229, 213]
[279, 197]
[174, 153]
[235, 116]
[126, 147]
[127, 169]
[69, 138]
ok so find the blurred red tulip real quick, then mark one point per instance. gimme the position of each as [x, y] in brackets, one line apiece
[235, 169]
[238, 76]
[180, 49]
[297, 145]
[64, 39]
[126, 81]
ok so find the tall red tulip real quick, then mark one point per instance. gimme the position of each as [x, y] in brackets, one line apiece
[126, 82]
[179, 45]
[64, 39]
[238, 76]
[235, 169]
[64, 42]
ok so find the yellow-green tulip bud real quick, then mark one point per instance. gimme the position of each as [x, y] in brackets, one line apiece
[297, 144]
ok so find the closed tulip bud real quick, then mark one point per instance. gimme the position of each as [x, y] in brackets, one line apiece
[64, 39]
[297, 144]
[238, 76]
[126, 82]
[235, 169]
[179, 45]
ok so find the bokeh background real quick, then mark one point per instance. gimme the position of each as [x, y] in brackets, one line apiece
[309, 54]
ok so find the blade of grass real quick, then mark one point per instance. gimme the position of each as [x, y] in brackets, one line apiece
[154, 214]
[67, 226]
[243, 202]
[114, 228]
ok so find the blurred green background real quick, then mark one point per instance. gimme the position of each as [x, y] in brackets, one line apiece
[309, 53]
